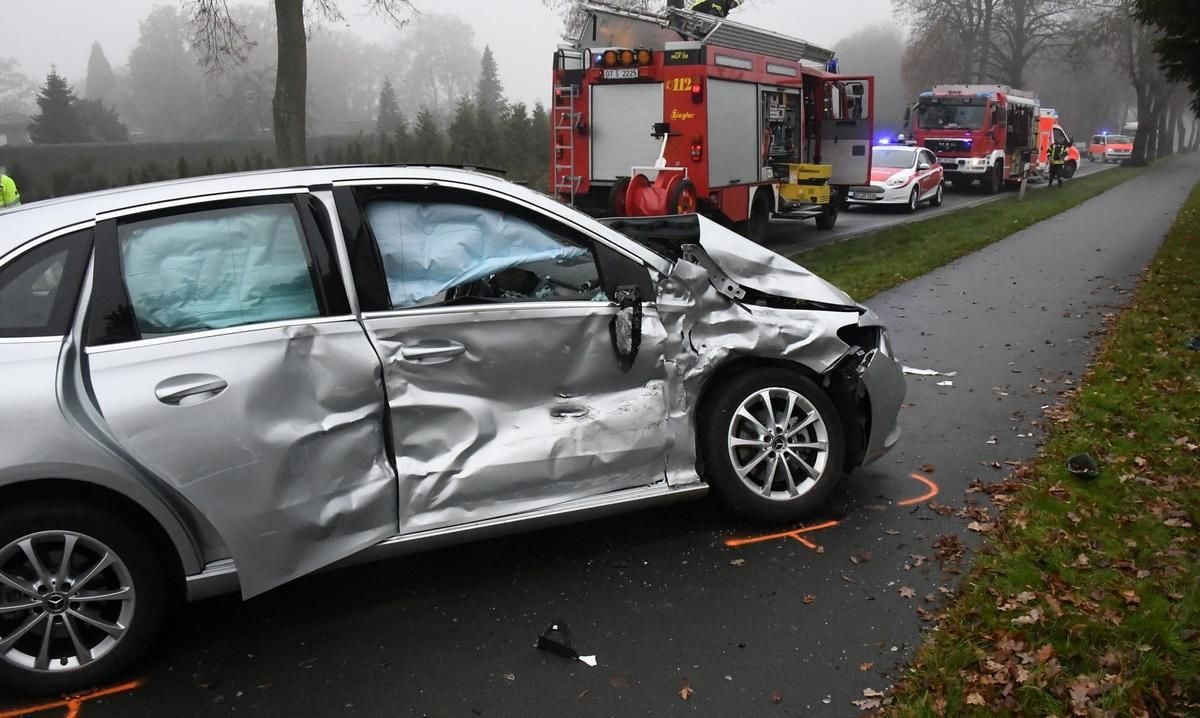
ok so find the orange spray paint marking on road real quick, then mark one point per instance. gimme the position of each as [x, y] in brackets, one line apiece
[73, 704]
[794, 534]
[933, 491]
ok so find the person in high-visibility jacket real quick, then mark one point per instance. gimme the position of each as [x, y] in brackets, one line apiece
[720, 8]
[1058, 163]
[9, 196]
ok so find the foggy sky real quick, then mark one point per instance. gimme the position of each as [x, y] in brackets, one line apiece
[522, 33]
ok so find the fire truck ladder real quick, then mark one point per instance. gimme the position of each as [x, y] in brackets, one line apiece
[565, 120]
[709, 29]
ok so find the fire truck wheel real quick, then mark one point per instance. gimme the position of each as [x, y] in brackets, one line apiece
[616, 198]
[936, 201]
[828, 217]
[995, 182]
[1069, 169]
[682, 198]
[914, 199]
[760, 217]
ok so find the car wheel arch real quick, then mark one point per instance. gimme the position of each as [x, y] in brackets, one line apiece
[855, 418]
[176, 562]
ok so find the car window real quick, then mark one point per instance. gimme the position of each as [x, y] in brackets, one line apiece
[39, 290]
[927, 158]
[454, 251]
[217, 268]
[1097, 140]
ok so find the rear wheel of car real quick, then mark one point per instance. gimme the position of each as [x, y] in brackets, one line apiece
[772, 445]
[914, 199]
[82, 596]
[938, 195]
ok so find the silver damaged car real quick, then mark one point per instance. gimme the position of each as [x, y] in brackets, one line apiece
[227, 383]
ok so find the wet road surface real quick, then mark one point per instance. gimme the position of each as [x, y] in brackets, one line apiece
[772, 628]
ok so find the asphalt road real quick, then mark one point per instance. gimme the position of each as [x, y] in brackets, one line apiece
[774, 628]
[790, 236]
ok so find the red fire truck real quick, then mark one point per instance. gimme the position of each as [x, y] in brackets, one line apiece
[684, 112]
[984, 133]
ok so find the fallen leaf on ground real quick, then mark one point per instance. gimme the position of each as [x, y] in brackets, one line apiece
[862, 557]
[809, 599]
[974, 699]
[737, 562]
[872, 693]
[867, 704]
[686, 691]
[907, 592]
[776, 697]
[866, 667]
[928, 468]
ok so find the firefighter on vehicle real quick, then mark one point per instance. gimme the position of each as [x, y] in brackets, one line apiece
[1058, 163]
[719, 8]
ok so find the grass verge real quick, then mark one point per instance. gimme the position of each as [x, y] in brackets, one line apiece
[1086, 600]
[866, 265]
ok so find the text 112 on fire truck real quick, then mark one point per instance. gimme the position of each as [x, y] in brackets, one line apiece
[678, 112]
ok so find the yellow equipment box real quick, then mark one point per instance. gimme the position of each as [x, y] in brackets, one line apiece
[807, 183]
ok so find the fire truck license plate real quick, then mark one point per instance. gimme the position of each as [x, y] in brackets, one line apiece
[621, 74]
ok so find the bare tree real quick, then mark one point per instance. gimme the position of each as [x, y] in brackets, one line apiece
[1024, 30]
[222, 40]
[965, 27]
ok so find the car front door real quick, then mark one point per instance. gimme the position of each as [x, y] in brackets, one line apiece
[224, 359]
[930, 177]
[496, 323]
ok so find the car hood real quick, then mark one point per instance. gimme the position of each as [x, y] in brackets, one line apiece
[756, 267]
[883, 174]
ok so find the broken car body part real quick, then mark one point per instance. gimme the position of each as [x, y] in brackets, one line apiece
[266, 374]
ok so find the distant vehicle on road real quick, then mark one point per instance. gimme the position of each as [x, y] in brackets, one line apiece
[239, 380]
[1110, 148]
[901, 176]
[1050, 132]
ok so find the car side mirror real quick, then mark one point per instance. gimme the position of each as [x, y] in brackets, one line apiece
[923, 166]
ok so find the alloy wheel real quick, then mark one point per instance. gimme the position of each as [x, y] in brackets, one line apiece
[66, 600]
[778, 444]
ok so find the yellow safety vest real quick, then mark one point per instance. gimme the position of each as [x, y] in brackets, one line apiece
[9, 196]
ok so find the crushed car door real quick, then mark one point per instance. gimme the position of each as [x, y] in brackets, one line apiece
[846, 129]
[223, 356]
[497, 328]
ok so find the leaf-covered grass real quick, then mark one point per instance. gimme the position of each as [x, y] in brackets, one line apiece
[1087, 599]
[866, 265]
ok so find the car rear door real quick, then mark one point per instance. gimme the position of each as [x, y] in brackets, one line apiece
[495, 323]
[224, 359]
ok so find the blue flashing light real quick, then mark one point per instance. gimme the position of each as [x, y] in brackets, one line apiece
[832, 66]
[884, 141]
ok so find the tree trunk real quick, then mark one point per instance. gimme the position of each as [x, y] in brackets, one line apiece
[1141, 139]
[291, 81]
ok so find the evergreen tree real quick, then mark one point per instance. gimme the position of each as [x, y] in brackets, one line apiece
[539, 150]
[489, 93]
[401, 141]
[101, 82]
[101, 122]
[58, 120]
[389, 117]
[464, 134]
[517, 142]
[428, 143]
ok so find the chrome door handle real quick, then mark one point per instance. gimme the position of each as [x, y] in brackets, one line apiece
[432, 351]
[188, 389]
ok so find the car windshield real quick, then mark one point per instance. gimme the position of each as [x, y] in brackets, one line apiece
[965, 117]
[893, 158]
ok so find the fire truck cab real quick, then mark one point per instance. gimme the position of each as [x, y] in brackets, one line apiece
[984, 133]
[683, 112]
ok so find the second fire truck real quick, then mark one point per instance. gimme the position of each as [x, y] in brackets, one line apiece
[984, 133]
[683, 112]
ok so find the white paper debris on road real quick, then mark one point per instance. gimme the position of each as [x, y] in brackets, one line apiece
[913, 371]
[945, 383]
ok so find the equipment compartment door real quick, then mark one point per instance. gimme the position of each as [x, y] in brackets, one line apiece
[623, 116]
[846, 129]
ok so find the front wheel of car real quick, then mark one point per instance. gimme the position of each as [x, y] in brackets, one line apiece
[914, 199]
[938, 196]
[82, 596]
[772, 445]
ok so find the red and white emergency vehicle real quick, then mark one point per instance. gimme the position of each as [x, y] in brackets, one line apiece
[1050, 132]
[684, 112]
[984, 133]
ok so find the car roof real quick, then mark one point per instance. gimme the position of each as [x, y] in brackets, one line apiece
[35, 219]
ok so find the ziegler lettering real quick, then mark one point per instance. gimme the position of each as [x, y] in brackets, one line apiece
[680, 116]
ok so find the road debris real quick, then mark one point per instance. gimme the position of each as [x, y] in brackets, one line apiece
[945, 383]
[1083, 466]
[556, 639]
[686, 691]
[912, 371]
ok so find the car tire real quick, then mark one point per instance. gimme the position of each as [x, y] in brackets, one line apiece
[113, 633]
[914, 199]
[731, 440]
[936, 200]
